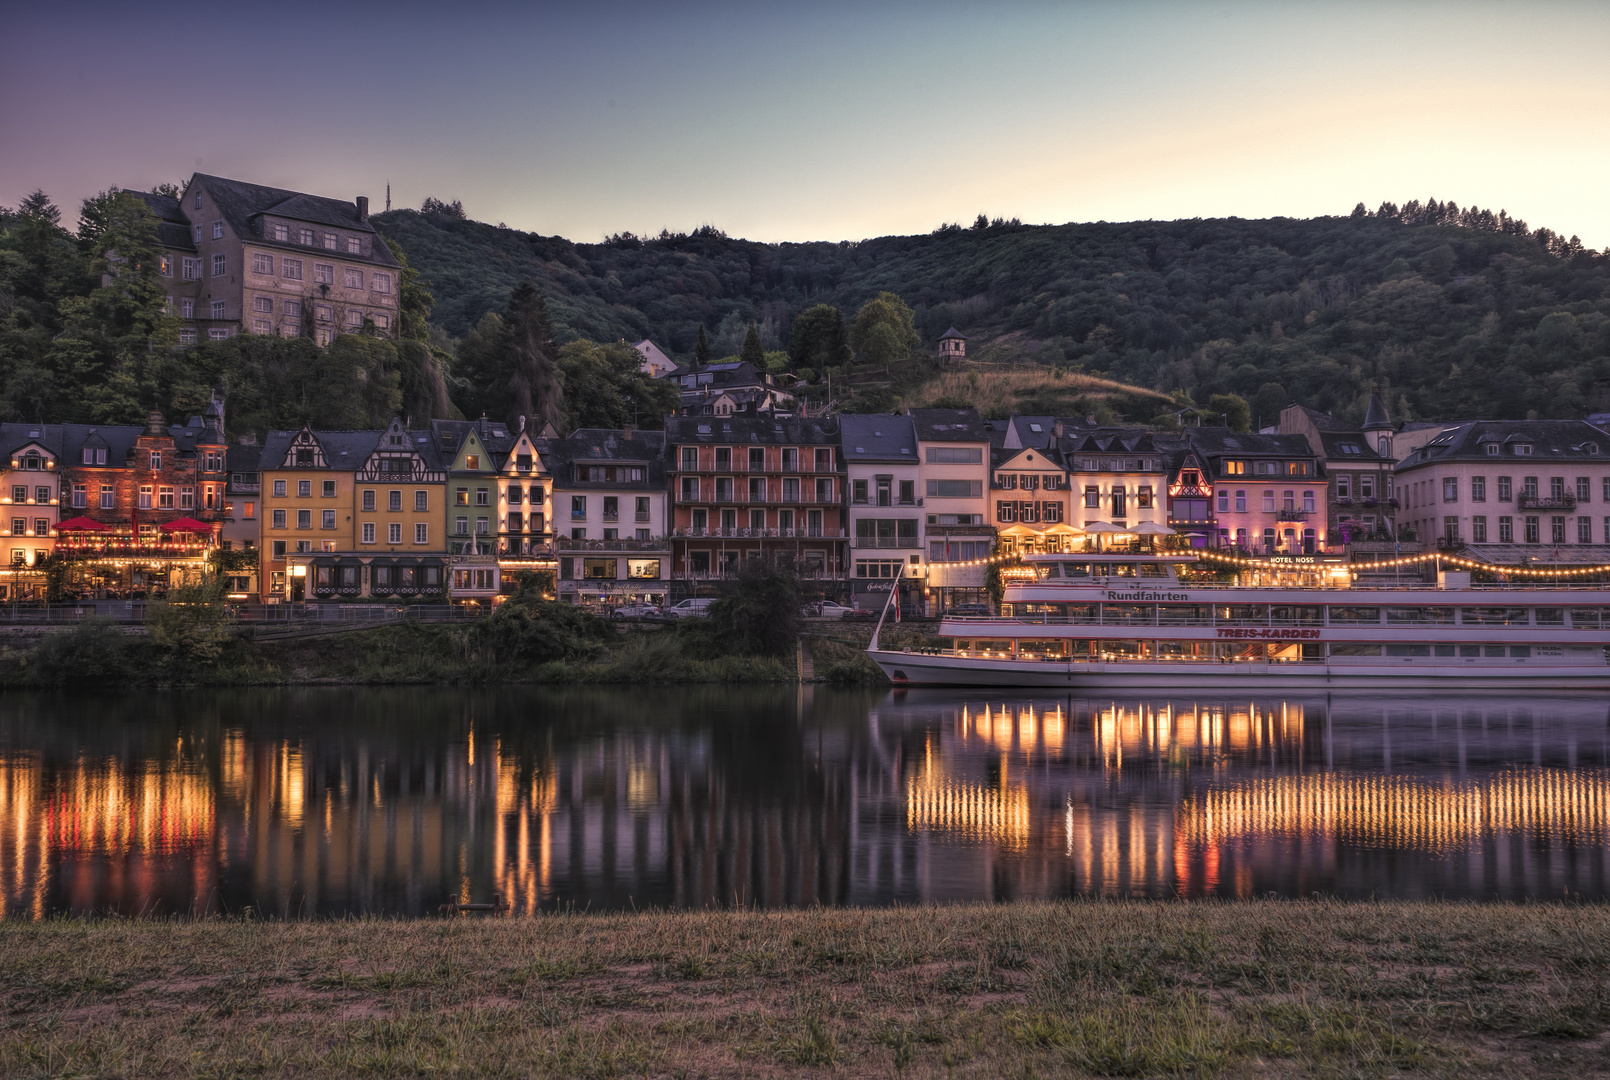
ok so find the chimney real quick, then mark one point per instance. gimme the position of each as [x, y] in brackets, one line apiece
[363, 208]
[154, 423]
[626, 432]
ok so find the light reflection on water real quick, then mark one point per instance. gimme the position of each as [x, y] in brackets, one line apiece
[328, 801]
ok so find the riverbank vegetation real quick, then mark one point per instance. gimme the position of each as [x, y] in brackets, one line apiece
[1276, 989]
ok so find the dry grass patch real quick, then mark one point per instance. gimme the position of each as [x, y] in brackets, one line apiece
[1032, 388]
[1081, 989]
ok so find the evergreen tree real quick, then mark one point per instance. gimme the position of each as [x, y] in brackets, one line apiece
[701, 351]
[816, 339]
[533, 381]
[752, 352]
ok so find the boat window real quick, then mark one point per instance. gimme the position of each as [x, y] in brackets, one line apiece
[1184, 614]
[993, 645]
[1153, 570]
[1446, 650]
[1075, 570]
[1494, 616]
[1048, 570]
[1354, 648]
[1549, 616]
[1039, 650]
[1079, 648]
[1433, 616]
[1293, 615]
[1129, 614]
[963, 644]
[1119, 650]
[1243, 614]
[1585, 618]
[1408, 650]
[1494, 650]
[1080, 613]
[1342, 615]
[1120, 569]
[1520, 650]
[1470, 650]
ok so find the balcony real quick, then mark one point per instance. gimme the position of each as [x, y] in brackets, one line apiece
[905, 542]
[744, 498]
[1535, 502]
[565, 544]
[740, 467]
[806, 533]
[1290, 514]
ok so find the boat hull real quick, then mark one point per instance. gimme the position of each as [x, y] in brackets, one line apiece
[920, 669]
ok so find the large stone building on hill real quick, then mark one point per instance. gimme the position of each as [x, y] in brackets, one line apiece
[244, 258]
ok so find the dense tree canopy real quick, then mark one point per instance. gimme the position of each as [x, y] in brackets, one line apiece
[1461, 312]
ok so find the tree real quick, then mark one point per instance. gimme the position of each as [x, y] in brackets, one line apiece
[701, 351]
[752, 352]
[534, 381]
[605, 387]
[761, 615]
[817, 339]
[1233, 408]
[1270, 400]
[884, 330]
[192, 626]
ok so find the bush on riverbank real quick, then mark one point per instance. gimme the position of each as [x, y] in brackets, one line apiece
[1323, 988]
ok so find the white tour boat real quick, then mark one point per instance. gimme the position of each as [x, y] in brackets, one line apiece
[1127, 620]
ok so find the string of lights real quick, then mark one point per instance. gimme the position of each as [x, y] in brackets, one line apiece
[1414, 560]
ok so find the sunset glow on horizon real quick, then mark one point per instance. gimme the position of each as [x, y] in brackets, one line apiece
[831, 122]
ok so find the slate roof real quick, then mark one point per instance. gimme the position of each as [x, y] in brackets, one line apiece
[342, 449]
[1375, 417]
[606, 446]
[757, 430]
[14, 437]
[447, 437]
[951, 425]
[878, 437]
[173, 228]
[243, 459]
[1550, 440]
[952, 333]
[1345, 447]
[1021, 432]
[119, 440]
[242, 205]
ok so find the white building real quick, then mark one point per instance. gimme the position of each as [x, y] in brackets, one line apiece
[655, 363]
[883, 479]
[609, 510]
[954, 447]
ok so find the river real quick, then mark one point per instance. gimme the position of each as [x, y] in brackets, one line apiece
[322, 802]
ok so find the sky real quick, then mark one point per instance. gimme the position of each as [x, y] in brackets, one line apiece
[796, 121]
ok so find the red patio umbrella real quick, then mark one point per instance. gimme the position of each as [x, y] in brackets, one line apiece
[185, 524]
[81, 524]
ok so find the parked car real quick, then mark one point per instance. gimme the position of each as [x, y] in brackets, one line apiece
[825, 609]
[636, 611]
[696, 607]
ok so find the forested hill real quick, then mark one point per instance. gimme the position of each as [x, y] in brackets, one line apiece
[1460, 313]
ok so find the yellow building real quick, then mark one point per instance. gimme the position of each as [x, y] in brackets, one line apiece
[307, 485]
[400, 516]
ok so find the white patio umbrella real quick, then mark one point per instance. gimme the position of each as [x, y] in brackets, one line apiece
[1103, 528]
[1152, 528]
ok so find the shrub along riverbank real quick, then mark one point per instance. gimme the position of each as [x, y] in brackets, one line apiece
[1274, 989]
[750, 636]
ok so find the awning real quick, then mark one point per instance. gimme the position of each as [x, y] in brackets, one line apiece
[81, 524]
[184, 524]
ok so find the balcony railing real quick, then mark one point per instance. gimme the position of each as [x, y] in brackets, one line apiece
[744, 498]
[885, 505]
[743, 467]
[1292, 515]
[566, 544]
[806, 533]
[888, 542]
[1536, 502]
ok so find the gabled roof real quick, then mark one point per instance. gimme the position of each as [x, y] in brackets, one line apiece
[342, 449]
[1344, 447]
[119, 440]
[495, 436]
[1037, 431]
[878, 437]
[14, 437]
[243, 205]
[952, 333]
[608, 446]
[244, 459]
[173, 228]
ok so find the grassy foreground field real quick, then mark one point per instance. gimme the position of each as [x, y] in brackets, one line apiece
[1107, 989]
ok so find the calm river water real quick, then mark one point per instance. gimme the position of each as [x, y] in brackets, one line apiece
[320, 802]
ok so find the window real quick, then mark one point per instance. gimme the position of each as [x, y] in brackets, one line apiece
[578, 506]
[1478, 489]
[1478, 529]
[1557, 530]
[323, 313]
[328, 242]
[354, 318]
[218, 309]
[1506, 530]
[277, 519]
[305, 237]
[1523, 449]
[394, 501]
[1505, 491]
[380, 283]
[327, 519]
[483, 497]
[472, 461]
[304, 488]
[944, 455]
[1584, 530]
[421, 501]
[263, 304]
[422, 533]
[41, 528]
[354, 246]
[1343, 488]
[262, 264]
[1450, 489]
[187, 308]
[955, 489]
[304, 519]
[190, 270]
[1288, 500]
[108, 497]
[291, 269]
[858, 492]
[1556, 487]
[1533, 531]
[220, 265]
[1268, 501]
[217, 333]
[461, 496]
[323, 273]
[394, 533]
[1529, 487]
[1605, 493]
[1308, 502]
[352, 277]
[368, 532]
[461, 526]
[187, 498]
[1584, 489]
[1450, 528]
[1143, 497]
[282, 233]
[80, 496]
[217, 230]
[1224, 501]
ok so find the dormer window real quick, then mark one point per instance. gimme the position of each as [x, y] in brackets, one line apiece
[1590, 448]
[304, 456]
[1523, 449]
[1492, 449]
[282, 233]
[472, 461]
